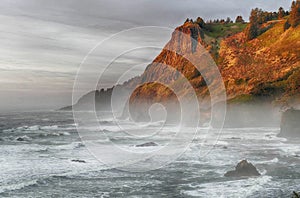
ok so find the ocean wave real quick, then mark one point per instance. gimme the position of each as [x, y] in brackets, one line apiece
[73, 145]
[272, 161]
[18, 186]
[54, 134]
[236, 188]
[51, 127]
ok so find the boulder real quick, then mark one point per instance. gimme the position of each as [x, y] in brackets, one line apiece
[147, 144]
[243, 169]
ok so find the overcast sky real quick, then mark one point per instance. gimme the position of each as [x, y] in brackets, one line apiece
[44, 41]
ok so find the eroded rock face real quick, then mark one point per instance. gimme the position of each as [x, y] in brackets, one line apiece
[290, 123]
[243, 169]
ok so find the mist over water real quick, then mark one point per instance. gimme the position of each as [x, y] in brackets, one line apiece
[129, 124]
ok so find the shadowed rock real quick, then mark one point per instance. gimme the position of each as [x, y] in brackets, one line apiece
[243, 169]
[147, 144]
[79, 161]
[295, 195]
[290, 124]
[20, 139]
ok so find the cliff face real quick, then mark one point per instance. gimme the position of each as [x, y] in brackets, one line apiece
[264, 70]
[186, 40]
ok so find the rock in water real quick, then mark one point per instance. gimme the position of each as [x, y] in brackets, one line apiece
[147, 144]
[20, 139]
[243, 169]
[290, 123]
[79, 161]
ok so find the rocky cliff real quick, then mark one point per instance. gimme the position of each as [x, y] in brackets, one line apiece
[263, 71]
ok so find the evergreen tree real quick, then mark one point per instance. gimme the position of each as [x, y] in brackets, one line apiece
[281, 13]
[252, 29]
[239, 19]
[287, 25]
[200, 22]
[294, 19]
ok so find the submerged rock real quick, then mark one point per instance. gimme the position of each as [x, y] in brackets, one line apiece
[290, 123]
[147, 144]
[20, 139]
[243, 169]
[79, 161]
[23, 138]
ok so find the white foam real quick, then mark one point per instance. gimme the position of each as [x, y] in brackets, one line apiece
[17, 186]
[51, 127]
[236, 188]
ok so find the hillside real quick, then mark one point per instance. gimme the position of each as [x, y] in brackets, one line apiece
[265, 67]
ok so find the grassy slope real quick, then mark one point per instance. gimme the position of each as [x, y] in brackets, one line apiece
[265, 66]
[216, 32]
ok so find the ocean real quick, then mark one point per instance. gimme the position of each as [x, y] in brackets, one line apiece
[42, 155]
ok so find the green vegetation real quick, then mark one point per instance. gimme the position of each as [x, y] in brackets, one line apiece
[218, 30]
[239, 19]
[244, 98]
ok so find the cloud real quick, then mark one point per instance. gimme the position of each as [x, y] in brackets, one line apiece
[43, 42]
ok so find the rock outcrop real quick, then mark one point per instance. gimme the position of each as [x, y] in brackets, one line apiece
[290, 123]
[243, 169]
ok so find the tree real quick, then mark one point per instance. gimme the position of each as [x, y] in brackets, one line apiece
[252, 29]
[239, 19]
[281, 13]
[228, 20]
[200, 22]
[294, 19]
[286, 26]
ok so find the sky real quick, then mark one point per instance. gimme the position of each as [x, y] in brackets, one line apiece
[43, 42]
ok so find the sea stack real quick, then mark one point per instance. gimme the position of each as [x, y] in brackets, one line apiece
[243, 169]
[290, 123]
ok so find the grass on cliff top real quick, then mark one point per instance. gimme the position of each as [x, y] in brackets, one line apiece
[277, 33]
[272, 35]
[217, 30]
